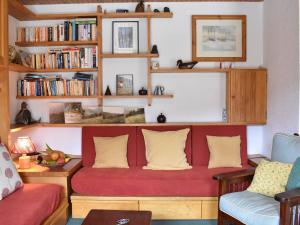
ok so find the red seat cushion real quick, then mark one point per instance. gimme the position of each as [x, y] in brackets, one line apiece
[199, 142]
[88, 147]
[138, 182]
[140, 143]
[31, 204]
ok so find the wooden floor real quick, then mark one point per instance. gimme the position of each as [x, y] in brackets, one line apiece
[163, 208]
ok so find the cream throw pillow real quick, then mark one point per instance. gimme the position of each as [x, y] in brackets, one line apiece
[224, 151]
[111, 152]
[270, 178]
[165, 149]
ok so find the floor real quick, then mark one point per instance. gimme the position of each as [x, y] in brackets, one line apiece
[161, 222]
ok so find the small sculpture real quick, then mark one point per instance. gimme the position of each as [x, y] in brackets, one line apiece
[143, 91]
[156, 10]
[154, 49]
[187, 65]
[107, 92]
[161, 118]
[159, 90]
[24, 116]
[148, 8]
[166, 9]
[140, 7]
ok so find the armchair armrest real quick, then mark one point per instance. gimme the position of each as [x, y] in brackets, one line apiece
[235, 175]
[292, 197]
[234, 181]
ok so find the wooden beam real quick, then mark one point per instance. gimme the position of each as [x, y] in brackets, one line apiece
[4, 81]
[19, 11]
[40, 2]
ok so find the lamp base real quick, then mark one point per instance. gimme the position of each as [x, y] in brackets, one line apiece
[24, 162]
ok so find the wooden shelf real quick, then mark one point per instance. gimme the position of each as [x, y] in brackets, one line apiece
[19, 68]
[55, 43]
[135, 96]
[136, 15]
[18, 127]
[129, 55]
[65, 16]
[194, 70]
[56, 97]
[66, 70]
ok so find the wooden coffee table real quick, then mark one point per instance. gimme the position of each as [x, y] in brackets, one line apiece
[110, 217]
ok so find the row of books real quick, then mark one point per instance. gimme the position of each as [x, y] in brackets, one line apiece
[76, 30]
[67, 58]
[56, 87]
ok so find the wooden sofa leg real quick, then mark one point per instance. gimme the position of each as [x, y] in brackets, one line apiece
[220, 218]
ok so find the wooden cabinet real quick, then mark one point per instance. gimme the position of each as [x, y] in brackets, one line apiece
[4, 99]
[247, 96]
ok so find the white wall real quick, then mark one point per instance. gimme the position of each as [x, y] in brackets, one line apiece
[197, 97]
[281, 57]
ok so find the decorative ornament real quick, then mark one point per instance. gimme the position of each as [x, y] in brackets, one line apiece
[161, 118]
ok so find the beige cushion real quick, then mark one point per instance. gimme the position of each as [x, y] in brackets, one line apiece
[165, 149]
[111, 152]
[224, 151]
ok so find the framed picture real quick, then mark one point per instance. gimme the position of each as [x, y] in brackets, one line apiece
[125, 37]
[124, 84]
[113, 114]
[134, 115]
[56, 112]
[73, 112]
[217, 38]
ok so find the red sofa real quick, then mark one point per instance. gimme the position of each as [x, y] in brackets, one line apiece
[34, 204]
[136, 182]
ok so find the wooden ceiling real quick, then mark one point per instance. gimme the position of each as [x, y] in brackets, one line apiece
[40, 2]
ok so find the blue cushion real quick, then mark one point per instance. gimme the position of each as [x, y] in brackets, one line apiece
[251, 208]
[285, 148]
[294, 178]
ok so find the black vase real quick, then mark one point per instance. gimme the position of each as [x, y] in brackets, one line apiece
[161, 118]
[143, 91]
[107, 92]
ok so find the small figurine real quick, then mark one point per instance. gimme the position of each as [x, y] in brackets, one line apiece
[154, 49]
[148, 8]
[154, 65]
[166, 9]
[143, 91]
[99, 9]
[107, 92]
[156, 10]
[159, 90]
[187, 65]
[24, 116]
[140, 7]
[161, 118]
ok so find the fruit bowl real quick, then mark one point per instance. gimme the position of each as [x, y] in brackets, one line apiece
[52, 158]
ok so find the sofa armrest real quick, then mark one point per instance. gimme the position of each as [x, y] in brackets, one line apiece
[234, 181]
[291, 197]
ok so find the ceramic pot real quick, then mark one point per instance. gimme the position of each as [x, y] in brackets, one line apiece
[161, 118]
[143, 91]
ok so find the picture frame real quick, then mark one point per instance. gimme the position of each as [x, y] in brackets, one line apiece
[124, 84]
[125, 37]
[219, 38]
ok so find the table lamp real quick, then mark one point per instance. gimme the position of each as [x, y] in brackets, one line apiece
[24, 146]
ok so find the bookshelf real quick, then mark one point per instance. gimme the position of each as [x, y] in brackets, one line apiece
[130, 55]
[54, 97]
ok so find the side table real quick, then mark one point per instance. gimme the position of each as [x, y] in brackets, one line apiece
[254, 160]
[52, 175]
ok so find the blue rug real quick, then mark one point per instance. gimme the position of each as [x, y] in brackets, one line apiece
[162, 222]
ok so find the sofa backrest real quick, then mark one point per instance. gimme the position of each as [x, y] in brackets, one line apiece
[141, 149]
[196, 145]
[285, 148]
[200, 151]
[88, 147]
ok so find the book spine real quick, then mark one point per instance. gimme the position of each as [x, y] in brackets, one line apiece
[66, 30]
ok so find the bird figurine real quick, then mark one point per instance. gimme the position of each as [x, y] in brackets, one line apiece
[186, 65]
[24, 116]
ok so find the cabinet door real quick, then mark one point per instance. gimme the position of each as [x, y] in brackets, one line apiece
[247, 97]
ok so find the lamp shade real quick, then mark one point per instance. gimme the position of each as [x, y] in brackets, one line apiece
[23, 145]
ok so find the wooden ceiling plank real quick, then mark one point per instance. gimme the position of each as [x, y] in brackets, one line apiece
[19, 11]
[44, 2]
